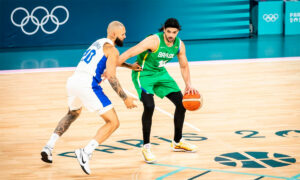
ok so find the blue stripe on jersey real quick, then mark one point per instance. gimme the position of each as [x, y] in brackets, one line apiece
[97, 79]
[99, 70]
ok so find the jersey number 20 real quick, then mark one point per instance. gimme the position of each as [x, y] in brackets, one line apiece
[88, 55]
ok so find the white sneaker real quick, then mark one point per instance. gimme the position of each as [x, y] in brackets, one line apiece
[148, 155]
[46, 154]
[83, 159]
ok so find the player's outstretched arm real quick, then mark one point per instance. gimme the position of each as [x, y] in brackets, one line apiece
[112, 55]
[135, 66]
[185, 70]
[149, 43]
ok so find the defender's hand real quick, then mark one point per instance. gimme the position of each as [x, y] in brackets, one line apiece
[130, 102]
[136, 67]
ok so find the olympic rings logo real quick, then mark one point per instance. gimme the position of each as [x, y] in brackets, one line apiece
[37, 22]
[270, 17]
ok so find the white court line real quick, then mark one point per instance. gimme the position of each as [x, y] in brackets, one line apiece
[166, 113]
[237, 61]
[23, 71]
[231, 61]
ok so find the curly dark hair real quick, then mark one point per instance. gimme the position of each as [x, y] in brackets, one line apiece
[171, 22]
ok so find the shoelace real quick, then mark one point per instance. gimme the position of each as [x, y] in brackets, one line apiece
[185, 145]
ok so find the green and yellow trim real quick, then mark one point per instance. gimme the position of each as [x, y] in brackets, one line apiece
[139, 73]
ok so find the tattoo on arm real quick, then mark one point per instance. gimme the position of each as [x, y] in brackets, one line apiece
[114, 82]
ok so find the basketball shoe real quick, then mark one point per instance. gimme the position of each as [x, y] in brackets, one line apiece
[46, 154]
[83, 159]
[148, 155]
[183, 146]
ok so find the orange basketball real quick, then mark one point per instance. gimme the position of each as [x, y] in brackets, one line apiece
[192, 102]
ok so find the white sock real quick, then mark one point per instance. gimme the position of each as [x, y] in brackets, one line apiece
[92, 145]
[54, 137]
[147, 146]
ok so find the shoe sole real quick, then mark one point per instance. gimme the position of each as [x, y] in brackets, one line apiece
[77, 153]
[182, 150]
[150, 162]
[45, 157]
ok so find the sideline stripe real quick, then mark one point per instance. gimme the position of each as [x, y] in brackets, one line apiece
[23, 71]
[237, 61]
[230, 61]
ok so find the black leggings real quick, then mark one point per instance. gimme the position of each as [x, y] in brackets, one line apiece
[148, 102]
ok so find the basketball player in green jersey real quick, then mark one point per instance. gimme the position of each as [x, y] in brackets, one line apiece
[153, 54]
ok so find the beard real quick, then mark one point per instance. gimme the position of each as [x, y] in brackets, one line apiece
[118, 42]
[169, 39]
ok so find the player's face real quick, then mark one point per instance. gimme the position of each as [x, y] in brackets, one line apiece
[121, 35]
[170, 34]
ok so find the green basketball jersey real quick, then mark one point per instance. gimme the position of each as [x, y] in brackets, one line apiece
[156, 61]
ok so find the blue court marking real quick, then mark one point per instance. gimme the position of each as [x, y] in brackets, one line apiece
[296, 177]
[199, 175]
[170, 173]
[259, 178]
[180, 168]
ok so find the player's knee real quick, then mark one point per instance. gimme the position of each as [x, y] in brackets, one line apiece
[149, 107]
[115, 124]
[176, 98]
[180, 107]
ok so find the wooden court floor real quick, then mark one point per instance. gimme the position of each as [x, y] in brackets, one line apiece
[248, 128]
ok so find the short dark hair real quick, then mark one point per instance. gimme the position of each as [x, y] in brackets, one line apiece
[171, 22]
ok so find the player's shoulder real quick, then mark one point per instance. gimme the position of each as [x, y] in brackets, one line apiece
[152, 37]
[109, 49]
[152, 41]
[180, 42]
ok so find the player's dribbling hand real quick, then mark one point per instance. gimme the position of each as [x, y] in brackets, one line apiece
[136, 67]
[190, 90]
[130, 102]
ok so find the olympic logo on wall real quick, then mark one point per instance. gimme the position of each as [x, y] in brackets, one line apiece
[270, 17]
[39, 23]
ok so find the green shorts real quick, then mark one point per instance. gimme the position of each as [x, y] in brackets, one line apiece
[159, 83]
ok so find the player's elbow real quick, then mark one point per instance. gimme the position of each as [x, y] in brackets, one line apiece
[121, 60]
[184, 65]
[110, 76]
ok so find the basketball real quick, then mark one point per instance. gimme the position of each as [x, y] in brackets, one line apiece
[192, 102]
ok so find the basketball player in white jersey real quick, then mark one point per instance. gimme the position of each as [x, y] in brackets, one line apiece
[84, 90]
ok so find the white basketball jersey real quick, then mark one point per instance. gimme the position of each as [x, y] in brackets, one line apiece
[93, 61]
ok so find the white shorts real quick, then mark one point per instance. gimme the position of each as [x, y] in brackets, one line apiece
[80, 92]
